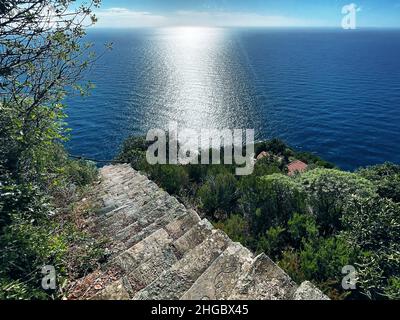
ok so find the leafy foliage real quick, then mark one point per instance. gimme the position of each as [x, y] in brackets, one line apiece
[373, 226]
[235, 227]
[270, 201]
[329, 191]
[313, 224]
[218, 193]
[387, 179]
[43, 57]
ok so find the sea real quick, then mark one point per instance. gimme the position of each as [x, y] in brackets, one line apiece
[334, 93]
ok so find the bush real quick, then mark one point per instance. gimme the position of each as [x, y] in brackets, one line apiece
[36, 176]
[323, 260]
[290, 262]
[372, 225]
[267, 166]
[302, 228]
[80, 172]
[218, 193]
[172, 178]
[273, 242]
[236, 228]
[270, 201]
[276, 146]
[133, 151]
[392, 291]
[40, 246]
[386, 177]
[329, 192]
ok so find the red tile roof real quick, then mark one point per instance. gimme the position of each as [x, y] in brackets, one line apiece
[296, 166]
[262, 155]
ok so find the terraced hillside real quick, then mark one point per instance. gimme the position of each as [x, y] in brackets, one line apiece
[161, 250]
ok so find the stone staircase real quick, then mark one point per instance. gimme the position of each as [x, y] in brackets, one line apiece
[161, 250]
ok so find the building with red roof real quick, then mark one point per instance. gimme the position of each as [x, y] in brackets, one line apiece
[296, 166]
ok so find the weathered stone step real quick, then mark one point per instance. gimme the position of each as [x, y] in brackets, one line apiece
[114, 291]
[181, 225]
[112, 213]
[159, 223]
[146, 260]
[264, 281]
[110, 170]
[142, 215]
[140, 252]
[140, 277]
[161, 250]
[196, 235]
[149, 271]
[307, 291]
[218, 281]
[173, 283]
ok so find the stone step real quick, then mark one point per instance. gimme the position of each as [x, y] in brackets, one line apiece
[218, 281]
[140, 277]
[173, 283]
[134, 209]
[110, 176]
[182, 225]
[196, 235]
[142, 251]
[144, 217]
[126, 220]
[140, 183]
[146, 260]
[148, 230]
[119, 184]
[264, 281]
[307, 291]
[161, 250]
[112, 169]
[149, 271]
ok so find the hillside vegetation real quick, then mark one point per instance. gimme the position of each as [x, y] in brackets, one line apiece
[314, 223]
[43, 56]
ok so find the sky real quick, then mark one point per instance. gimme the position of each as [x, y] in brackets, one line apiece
[245, 13]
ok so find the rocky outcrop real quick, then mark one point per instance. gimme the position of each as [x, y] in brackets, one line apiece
[161, 250]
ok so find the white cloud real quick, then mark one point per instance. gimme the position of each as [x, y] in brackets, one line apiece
[126, 18]
[239, 19]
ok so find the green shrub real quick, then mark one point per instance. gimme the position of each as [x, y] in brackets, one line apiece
[80, 172]
[218, 193]
[236, 228]
[386, 177]
[302, 227]
[329, 192]
[267, 166]
[392, 291]
[270, 201]
[133, 151]
[171, 177]
[290, 262]
[311, 159]
[273, 242]
[372, 225]
[322, 261]
[276, 146]
[197, 173]
[29, 241]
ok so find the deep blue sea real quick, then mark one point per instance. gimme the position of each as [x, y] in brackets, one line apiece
[334, 93]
